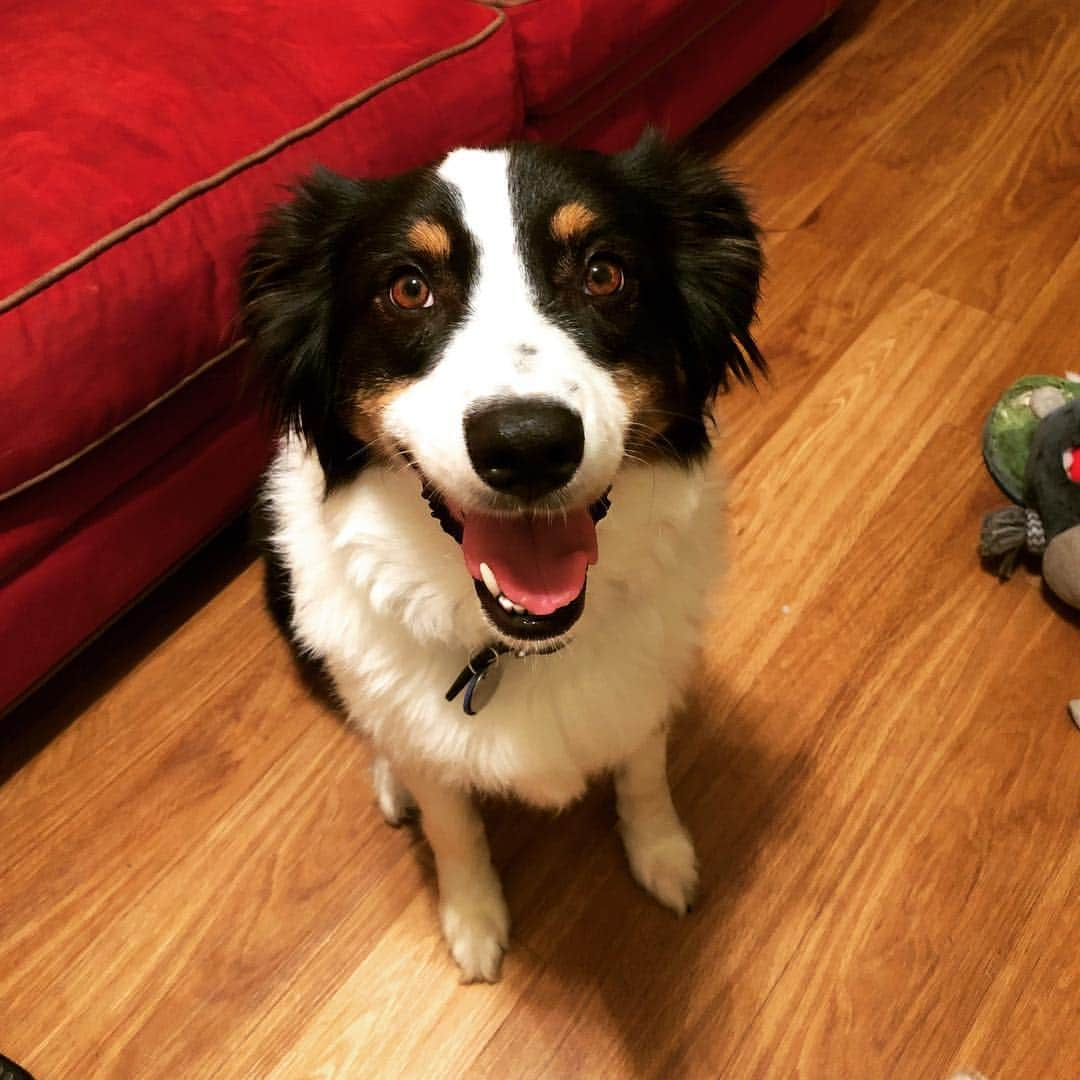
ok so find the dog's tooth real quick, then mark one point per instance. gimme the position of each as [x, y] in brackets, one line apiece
[490, 580]
[505, 603]
[519, 609]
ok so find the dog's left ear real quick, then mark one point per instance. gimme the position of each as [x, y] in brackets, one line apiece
[716, 257]
[288, 305]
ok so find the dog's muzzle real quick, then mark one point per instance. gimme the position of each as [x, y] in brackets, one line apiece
[529, 569]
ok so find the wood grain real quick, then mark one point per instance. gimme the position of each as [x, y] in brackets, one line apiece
[876, 762]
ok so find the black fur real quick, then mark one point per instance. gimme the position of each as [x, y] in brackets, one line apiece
[684, 233]
[315, 284]
[290, 291]
[313, 292]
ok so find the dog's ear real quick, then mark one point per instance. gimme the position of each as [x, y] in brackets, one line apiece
[715, 255]
[288, 308]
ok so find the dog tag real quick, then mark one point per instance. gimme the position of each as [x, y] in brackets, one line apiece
[479, 678]
[480, 689]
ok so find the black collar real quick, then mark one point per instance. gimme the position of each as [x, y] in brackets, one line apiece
[482, 670]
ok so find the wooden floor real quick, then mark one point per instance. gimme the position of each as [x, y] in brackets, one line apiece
[877, 766]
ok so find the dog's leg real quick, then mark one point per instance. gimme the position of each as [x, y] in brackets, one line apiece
[394, 799]
[661, 853]
[473, 912]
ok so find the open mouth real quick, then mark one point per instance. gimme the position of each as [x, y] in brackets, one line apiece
[529, 569]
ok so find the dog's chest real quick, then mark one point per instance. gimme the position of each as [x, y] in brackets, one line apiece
[552, 722]
[381, 594]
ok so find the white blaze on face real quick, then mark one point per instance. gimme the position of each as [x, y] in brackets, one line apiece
[504, 348]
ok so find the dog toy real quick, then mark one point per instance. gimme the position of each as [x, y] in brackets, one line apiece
[1031, 445]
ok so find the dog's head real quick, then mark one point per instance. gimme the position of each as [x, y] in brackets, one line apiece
[516, 325]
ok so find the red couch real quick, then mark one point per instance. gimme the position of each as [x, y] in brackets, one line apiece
[140, 144]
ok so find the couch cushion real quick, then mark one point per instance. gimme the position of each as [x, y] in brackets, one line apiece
[146, 139]
[142, 140]
[123, 545]
[696, 56]
[52, 509]
[567, 49]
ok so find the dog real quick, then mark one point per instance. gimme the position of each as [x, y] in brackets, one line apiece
[490, 513]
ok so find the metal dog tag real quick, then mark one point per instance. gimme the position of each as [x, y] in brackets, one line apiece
[480, 689]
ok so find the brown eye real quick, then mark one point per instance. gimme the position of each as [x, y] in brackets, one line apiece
[410, 291]
[603, 277]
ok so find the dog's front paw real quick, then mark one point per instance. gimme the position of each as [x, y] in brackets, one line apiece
[393, 797]
[476, 925]
[664, 864]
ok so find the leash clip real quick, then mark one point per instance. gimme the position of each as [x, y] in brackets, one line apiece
[479, 678]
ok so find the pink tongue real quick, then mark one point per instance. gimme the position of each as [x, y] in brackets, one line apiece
[540, 563]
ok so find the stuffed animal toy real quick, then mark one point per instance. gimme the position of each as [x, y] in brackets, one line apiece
[1031, 445]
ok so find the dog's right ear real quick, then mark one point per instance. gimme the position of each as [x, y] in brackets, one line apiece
[288, 298]
[716, 257]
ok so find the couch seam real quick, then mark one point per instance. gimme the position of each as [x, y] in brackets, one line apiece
[649, 72]
[626, 61]
[94, 635]
[257, 157]
[28, 560]
[176, 387]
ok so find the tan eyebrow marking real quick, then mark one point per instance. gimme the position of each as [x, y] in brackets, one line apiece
[570, 220]
[431, 238]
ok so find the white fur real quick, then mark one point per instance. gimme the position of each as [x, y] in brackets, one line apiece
[383, 596]
[661, 855]
[485, 358]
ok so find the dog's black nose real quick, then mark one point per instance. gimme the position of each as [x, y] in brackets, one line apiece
[527, 447]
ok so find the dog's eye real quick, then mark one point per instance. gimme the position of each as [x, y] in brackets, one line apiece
[410, 291]
[603, 277]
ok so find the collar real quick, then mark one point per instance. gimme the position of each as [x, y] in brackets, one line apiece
[480, 677]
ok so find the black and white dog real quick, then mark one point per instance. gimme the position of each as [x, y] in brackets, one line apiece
[493, 379]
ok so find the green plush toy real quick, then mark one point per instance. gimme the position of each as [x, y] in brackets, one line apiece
[1031, 445]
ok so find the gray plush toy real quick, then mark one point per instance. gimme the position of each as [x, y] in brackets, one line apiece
[1031, 445]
